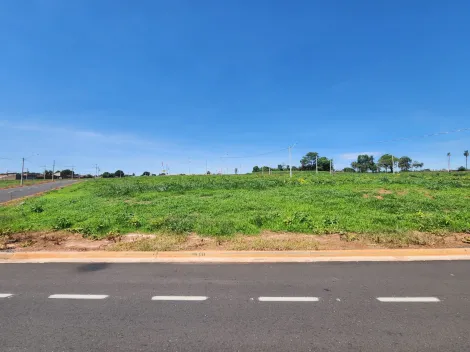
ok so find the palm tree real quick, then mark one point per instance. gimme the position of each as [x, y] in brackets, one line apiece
[448, 161]
[465, 153]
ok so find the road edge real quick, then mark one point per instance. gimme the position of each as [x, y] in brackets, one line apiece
[17, 200]
[367, 255]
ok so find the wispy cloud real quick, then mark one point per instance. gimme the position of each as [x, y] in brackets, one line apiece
[81, 135]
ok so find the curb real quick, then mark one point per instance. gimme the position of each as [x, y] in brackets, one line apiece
[391, 255]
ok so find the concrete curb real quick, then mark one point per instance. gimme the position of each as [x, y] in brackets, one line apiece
[239, 256]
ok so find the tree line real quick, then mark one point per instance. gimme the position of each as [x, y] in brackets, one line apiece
[312, 161]
[387, 162]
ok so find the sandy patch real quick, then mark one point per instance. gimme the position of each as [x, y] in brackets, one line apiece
[272, 241]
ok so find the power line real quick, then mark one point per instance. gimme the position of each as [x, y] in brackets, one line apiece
[424, 135]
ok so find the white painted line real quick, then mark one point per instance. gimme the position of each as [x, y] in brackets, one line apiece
[409, 299]
[179, 298]
[78, 296]
[5, 295]
[288, 299]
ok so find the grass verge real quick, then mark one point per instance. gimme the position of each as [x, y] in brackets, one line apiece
[394, 206]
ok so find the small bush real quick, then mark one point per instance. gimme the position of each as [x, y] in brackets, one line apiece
[62, 223]
[37, 208]
[134, 221]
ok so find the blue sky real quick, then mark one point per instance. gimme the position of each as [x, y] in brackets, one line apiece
[132, 84]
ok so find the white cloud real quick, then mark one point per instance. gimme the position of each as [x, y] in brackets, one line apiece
[353, 156]
[81, 135]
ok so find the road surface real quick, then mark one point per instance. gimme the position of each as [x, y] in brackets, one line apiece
[419, 306]
[19, 192]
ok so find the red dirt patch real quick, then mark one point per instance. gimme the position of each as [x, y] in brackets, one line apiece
[64, 241]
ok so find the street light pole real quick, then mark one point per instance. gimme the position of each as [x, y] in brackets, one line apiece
[22, 171]
[290, 159]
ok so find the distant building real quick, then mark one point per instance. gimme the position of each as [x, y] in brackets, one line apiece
[10, 176]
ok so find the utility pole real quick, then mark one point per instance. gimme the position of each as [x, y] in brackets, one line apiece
[72, 167]
[45, 166]
[22, 171]
[53, 170]
[448, 162]
[290, 161]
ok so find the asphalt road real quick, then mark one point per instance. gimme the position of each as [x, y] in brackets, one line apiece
[242, 307]
[19, 192]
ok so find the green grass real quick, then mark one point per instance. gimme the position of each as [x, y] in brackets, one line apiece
[248, 204]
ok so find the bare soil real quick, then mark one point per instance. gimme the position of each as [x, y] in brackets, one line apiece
[64, 241]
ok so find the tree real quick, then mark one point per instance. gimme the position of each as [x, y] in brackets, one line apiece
[417, 165]
[348, 169]
[119, 173]
[404, 163]
[280, 167]
[465, 154]
[256, 169]
[146, 173]
[323, 164]
[355, 166]
[107, 175]
[48, 174]
[236, 171]
[66, 173]
[387, 161]
[208, 173]
[364, 163]
[462, 168]
[309, 161]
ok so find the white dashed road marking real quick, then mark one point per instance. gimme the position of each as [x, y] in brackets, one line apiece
[179, 298]
[79, 296]
[409, 299]
[288, 299]
[5, 295]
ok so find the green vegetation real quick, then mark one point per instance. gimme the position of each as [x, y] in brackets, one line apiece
[355, 203]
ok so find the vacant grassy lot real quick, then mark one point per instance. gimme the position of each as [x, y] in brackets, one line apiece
[16, 183]
[393, 205]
